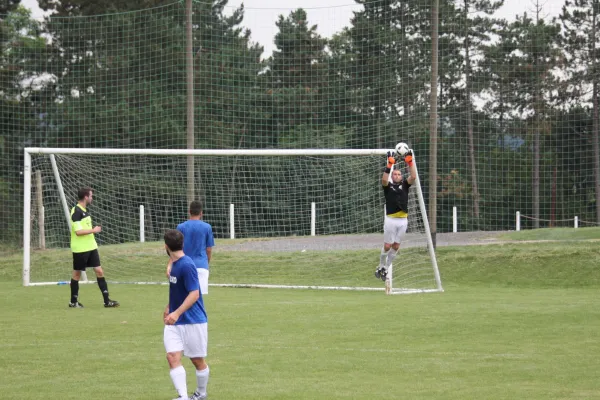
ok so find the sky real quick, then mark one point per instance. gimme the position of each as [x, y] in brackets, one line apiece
[330, 16]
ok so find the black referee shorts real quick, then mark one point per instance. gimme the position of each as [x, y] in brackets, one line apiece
[86, 259]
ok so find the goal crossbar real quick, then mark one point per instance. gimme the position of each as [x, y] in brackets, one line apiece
[209, 152]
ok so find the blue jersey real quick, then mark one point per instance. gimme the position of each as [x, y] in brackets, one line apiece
[182, 281]
[197, 236]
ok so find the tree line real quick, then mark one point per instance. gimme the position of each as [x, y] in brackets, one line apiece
[517, 105]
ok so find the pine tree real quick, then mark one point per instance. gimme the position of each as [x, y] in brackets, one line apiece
[390, 72]
[478, 25]
[71, 8]
[519, 67]
[226, 68]
[580, 39]
[297, 81]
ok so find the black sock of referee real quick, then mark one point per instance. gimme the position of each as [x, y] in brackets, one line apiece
[103, 288]
[74, 290]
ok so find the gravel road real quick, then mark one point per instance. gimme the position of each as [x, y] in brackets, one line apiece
[357, 242]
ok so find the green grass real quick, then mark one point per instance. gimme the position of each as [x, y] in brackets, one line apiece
[517, 321]
[146, 262]
[554, 234]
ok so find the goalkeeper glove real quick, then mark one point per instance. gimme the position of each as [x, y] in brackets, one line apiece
[390, 159]
[408, 158]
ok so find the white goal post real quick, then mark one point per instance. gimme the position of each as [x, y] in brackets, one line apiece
[67, 169]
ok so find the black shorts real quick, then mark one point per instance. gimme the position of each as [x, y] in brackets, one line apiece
[86, 259]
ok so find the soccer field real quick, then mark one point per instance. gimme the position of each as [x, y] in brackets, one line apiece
[516, 321]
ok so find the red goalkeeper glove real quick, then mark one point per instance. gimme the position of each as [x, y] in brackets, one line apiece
[390, 159]
[408, 159]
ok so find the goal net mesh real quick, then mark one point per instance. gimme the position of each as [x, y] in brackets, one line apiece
[273, 222]
[516, 130]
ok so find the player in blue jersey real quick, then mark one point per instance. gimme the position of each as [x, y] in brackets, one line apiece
[198, 242]
[186, 323]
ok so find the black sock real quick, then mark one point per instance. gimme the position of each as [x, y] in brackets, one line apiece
[103, 288]
[74, 290]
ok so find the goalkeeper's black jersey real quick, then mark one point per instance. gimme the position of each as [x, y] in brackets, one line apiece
[396, 198]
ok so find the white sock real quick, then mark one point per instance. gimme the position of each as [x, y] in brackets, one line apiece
[178, 378]
[390, 257]
[202, 380]
[382, 257]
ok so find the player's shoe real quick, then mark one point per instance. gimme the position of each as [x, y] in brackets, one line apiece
[111, 304]
[380, 273]
[198, 396]
[75, 305]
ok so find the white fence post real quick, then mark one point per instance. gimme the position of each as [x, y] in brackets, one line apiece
[454, 220]
[576, 222]
[313, 218]
[231, 222]
[142, 229]
[518, 221]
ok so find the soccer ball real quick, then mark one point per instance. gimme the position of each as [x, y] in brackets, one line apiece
[402, 148]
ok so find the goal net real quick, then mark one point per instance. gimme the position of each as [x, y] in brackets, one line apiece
[281, 218]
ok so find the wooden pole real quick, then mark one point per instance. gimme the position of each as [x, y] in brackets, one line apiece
[433, 120]
[189, 52]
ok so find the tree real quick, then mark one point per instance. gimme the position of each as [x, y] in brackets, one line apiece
[230, 105]
[520, 68]
[478, 27]
[580, 38]
[20, 86]
[70, 8]
[128, 73]
[120, 79]
[390, 71]
[296, 80]
[6, 6]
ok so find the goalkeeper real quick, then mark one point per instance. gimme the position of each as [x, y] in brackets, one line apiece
[396, 206]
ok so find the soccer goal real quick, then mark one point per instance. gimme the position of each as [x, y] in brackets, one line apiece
[297, 218]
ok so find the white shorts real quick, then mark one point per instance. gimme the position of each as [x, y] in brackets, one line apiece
[394, 229]
[192, 339]
[203, 279]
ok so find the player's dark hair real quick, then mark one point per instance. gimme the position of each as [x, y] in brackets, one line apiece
[83, 192]
[195, 208]
[174, 239]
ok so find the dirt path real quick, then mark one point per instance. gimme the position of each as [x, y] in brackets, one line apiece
[357, 242]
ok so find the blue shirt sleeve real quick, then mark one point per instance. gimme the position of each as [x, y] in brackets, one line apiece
[190, 276]
[210, 240]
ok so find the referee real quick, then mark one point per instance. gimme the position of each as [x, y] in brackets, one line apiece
[85, 249]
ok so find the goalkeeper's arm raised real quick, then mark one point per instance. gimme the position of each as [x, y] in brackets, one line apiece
[408, 159]
[386, 172]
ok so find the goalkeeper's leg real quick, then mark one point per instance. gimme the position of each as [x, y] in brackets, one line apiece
[388, 239]
[400, 226]
[384, 254]
[391, 254]
[394, 230]
[380, 272]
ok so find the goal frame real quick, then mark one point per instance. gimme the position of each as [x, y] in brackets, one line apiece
[29, 151]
